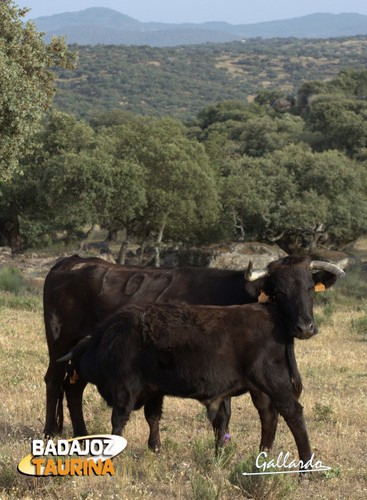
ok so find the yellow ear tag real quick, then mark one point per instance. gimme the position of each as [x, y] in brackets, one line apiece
[74, 377]
[320, 287]
[263, 298]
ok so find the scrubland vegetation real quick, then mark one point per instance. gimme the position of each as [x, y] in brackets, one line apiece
[181, 81]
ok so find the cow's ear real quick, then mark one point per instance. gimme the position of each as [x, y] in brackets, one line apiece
[323, 278]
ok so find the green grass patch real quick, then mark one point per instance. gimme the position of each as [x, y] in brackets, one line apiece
[14, 293]
[359, 326]
[11, 280]
[352, 289]
[323, 413]
[26, 301]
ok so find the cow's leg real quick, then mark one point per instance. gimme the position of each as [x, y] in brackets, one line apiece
[54, 395]
[153, 414]
[74, 397]
[219, 416]
[292, 412]
[268, 417]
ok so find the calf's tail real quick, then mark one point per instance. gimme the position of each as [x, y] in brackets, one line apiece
[293, 369]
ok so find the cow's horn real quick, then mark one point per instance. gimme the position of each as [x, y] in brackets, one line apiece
[254, 274]
[327, 266]
[249, 270]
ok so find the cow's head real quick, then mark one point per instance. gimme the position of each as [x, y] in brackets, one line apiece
[290, 284]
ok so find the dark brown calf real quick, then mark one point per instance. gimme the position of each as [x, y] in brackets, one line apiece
[206, 353]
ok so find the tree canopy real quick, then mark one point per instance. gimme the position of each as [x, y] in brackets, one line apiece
[145, 177]
[26, 83]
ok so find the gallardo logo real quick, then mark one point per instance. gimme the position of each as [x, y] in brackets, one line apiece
[83, 456]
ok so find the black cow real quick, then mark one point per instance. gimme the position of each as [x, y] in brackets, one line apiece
[210, 353]
[81, 292]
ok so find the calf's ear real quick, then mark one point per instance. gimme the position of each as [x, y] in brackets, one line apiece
[76, 350]
[254, 288]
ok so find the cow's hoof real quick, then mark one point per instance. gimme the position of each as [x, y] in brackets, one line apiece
[305, 476]
[155, 448]
[227, 438]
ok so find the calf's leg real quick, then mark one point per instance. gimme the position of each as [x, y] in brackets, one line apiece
[292, 412]
[153, 414]
[120, 416]
[123, 404]
[219, 415]
[268, 418]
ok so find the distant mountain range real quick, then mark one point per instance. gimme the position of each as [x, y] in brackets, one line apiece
[109, 27]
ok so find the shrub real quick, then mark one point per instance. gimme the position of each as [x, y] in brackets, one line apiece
[8, 474]
[203, 488]
[203, 453]
[259, 487]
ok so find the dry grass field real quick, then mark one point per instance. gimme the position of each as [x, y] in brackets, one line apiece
[334, 370]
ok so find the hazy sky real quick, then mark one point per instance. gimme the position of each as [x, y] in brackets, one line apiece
[177, 11]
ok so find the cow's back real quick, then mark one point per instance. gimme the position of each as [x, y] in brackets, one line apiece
[80, 292]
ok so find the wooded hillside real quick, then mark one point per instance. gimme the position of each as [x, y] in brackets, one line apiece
[181, 81]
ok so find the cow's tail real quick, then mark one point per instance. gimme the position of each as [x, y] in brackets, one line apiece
[75, 352]
[60, 412]
[293, 369]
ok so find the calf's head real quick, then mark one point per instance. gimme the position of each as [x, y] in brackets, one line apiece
[290, 284]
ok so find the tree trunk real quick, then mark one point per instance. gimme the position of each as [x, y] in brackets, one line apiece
[121, 259]
[86, 236]
[112, 235]
[157, 257]
[10, 233]
[238, 225]
[142, 250]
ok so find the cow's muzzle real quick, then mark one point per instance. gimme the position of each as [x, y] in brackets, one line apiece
[306, 330]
